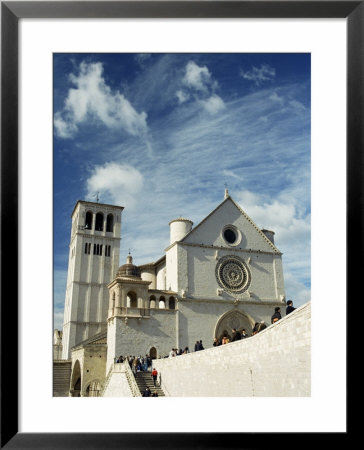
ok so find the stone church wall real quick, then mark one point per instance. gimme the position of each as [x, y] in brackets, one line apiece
[198, 319]
[274, 363]
[265, 271]
[137, 337]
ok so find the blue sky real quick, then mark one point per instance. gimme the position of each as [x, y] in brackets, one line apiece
[161, 135]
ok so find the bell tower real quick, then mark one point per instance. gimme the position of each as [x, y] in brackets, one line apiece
[93, 262]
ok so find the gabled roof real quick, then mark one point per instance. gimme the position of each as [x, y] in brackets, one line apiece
[153, 264]
[97, 339]
[229, 199]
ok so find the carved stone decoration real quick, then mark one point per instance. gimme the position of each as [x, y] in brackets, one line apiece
[232, 274]
[234, 321]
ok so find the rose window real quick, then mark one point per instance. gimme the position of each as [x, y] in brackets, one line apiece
[232, 274]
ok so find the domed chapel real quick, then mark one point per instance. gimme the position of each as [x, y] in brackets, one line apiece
[224, 273]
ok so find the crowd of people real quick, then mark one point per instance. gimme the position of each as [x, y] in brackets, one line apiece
[177, 352]
[136, 363]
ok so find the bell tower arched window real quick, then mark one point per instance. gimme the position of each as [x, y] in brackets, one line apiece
[110, 223]
[88, 221]
[99, 224]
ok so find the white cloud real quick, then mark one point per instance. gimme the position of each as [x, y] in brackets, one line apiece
[119, 184]
[200, 85]
[197, 77]
[93, 99]
[182, 96]
[276, 98]
[259, 74]
[64, 129]
[282, 217]
[230, 173]
[297, 106]
[213, 104]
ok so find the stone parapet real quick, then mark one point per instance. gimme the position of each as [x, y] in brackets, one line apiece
[274, 363]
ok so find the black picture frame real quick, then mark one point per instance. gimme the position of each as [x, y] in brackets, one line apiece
[11, 12]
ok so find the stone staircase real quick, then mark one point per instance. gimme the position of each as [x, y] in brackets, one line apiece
[61, 378]
[144, 379]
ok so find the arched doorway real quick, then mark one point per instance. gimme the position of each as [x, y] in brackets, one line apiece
[76, 380]
[153, 353]
[233, 319]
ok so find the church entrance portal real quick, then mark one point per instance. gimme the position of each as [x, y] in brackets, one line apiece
[153, 353]
[232, 319]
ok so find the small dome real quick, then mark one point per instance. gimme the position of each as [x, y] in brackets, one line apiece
[128, 269]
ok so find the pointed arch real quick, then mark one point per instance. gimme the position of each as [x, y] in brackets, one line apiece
[233, 319]
[76, 380]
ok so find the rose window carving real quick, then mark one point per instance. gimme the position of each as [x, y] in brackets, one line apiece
[232, 274]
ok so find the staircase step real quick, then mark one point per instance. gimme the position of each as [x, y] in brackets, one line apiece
[144, 380]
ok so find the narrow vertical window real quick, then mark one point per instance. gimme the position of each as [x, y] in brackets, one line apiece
[86, 245]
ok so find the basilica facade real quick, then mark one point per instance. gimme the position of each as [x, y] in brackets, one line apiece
[224, 273]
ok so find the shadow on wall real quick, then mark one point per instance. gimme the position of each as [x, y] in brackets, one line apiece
[153, 329]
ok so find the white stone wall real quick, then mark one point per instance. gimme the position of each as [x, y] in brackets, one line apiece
[148, 274]
[117, 385]
[172, 269]
[274, 363]
[178, 229]
[161, 277]
[138, 336]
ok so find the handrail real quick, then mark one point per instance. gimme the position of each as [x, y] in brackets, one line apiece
[131, 381]
[106, 381]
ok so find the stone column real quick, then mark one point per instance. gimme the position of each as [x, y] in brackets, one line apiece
[123, 299]
[111, 304]
[140, 302]
[117, 309]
